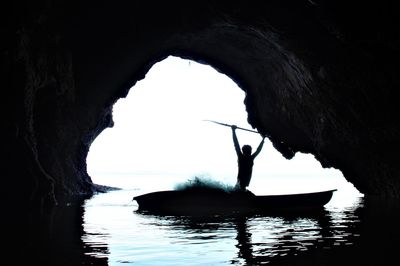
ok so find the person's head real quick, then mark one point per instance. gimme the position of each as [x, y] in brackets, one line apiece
[246, 149]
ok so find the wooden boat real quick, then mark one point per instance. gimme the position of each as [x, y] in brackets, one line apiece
[200, 201]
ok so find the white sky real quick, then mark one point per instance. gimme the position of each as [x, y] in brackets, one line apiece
[159, 129]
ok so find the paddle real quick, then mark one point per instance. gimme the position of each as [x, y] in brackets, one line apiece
[227, 125]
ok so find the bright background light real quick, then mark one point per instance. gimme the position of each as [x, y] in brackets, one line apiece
[159, 131]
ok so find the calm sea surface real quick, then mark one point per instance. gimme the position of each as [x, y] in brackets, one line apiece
[115, 231]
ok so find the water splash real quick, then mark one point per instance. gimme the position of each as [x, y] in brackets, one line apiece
[204, 183]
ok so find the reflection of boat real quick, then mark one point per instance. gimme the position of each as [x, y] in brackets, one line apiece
[198, 201]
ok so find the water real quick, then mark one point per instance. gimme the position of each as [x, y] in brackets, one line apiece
[107, 230]
[111, 221]
[113, 229]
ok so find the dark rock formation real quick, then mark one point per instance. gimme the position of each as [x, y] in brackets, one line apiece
[320, 77]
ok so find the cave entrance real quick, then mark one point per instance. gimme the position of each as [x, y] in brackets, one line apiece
[159, 137]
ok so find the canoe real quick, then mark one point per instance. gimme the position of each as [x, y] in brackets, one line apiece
[198, 201]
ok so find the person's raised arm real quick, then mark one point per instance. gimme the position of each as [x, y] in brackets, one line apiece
[259, 148]
[235, 140]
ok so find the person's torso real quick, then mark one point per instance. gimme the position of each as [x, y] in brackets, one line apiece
[245, 164]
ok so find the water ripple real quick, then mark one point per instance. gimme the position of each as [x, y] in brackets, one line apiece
[125, 236]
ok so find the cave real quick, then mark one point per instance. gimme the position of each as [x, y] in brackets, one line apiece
[320, 77]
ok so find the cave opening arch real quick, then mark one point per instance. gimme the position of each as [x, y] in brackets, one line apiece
[297, 92]
[161, 102]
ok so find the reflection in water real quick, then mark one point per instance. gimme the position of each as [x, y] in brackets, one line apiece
[47, 236]
[261, 239]
[244, 242]
[143, 238]
[106, 230]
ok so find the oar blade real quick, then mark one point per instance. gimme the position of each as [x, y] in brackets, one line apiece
[227, 125]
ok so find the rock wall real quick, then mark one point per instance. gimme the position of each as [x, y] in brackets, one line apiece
[319, 76]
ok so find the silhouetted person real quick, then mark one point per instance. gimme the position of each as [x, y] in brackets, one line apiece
[245, 161]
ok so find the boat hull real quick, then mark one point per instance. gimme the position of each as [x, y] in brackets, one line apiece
[200, 202]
